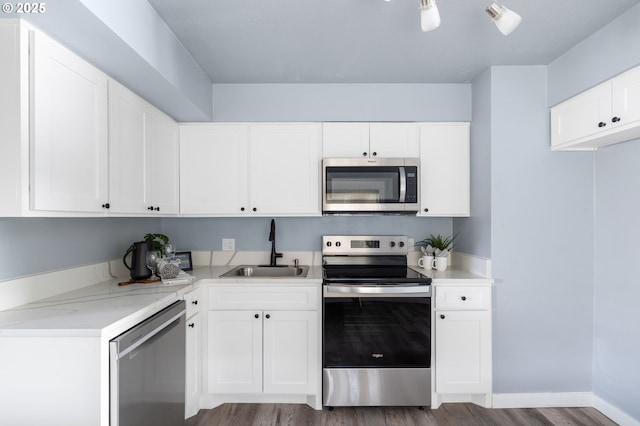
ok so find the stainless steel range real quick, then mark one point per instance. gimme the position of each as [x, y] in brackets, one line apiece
[376, 324]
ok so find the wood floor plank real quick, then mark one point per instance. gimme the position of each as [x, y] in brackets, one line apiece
[461, 414]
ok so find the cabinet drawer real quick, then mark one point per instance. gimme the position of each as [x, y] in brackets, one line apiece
[463, 298]
[194, 302]
[285, 297]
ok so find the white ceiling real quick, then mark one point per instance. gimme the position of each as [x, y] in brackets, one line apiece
[373, 41]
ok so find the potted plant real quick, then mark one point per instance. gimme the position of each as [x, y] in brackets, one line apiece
[436, 246]
[159, 241]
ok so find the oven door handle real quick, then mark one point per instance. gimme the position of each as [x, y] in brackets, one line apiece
[363, 289]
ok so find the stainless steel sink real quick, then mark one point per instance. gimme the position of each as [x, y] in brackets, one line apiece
[265, 271]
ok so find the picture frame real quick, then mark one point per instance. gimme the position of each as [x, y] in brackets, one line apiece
[185, 260]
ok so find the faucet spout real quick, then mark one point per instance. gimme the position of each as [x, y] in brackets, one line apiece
[272, 238]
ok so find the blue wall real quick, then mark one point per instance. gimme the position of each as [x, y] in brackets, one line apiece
[342, 102]
[607, 53]
[541, 244]
[293, 233]
[616, 348]
[616, 343]
[34, 245]
[474, 232]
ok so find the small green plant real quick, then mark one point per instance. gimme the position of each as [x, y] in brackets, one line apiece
[158, 240]
[437, 242]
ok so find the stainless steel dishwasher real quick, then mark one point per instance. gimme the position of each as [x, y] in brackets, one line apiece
[147, 369]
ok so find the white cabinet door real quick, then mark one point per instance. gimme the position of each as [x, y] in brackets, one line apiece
[69, 130]
[143, 156]
[584, 115]
[387, 140]
[345, 140]
[194, 365]
[234, 347]
[393, 140]
[284, 169]
[128, 177]
[290, 352]
[463, 352]
[213, 169]
[445, 169]
[625, 93]
[163, 160]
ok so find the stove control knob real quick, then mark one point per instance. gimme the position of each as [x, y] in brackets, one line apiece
[392, 244]
[338, 244]
[328, 243]
[401, 244]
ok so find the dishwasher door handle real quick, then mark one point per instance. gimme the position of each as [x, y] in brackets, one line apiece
[148, 336]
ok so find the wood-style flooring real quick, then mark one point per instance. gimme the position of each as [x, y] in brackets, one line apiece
[446, 415]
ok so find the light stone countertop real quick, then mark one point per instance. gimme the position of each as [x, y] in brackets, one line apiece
[105, 309]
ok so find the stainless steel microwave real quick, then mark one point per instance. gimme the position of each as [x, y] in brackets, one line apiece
[370, 185]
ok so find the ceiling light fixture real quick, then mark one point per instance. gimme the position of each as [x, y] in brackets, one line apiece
[429, 15]
[505, 19]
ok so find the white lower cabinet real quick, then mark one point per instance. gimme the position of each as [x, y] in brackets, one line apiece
[262, 351]
[462, 345]
[262, 343]
[193, 373]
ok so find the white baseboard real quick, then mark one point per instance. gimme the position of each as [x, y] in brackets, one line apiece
[564, 399]
[541, 400]
[614, 413]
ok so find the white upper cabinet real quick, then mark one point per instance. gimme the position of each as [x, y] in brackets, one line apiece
[284, 168]
[250, 169]
[386, 140]
[213, 169]
[163, 162]
[606, 114]
[68, 130]
[444, 169]
[345, 140]
[389, 140]
[143, 156]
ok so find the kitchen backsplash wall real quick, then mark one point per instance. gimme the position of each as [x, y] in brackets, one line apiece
[292, 233]
[35, 245]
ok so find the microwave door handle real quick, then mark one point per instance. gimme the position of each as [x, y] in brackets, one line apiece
[403, 184]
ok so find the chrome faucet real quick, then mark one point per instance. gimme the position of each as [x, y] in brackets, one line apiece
[272, 238]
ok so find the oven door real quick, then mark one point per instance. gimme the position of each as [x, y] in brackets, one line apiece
[376, 346]
[357, 185]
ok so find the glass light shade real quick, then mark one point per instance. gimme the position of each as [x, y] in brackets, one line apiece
[429, 16]
[505, 19]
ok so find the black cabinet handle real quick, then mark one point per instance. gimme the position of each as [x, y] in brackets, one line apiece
[106, 206]
[441, 316]
[267, 316]
[615, 119]
[375, 153]
[157, 209]
[426, 210]
[602, 124]
[241, 209]
[255, 209]
[195, 302]
[364, 154]
[257, 316]
[192, 325]
[463, 298]
[150, 208]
